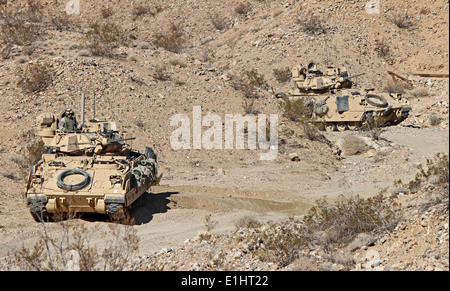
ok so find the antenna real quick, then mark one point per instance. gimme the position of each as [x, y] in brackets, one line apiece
[82, 108]
[94, 106]
[326, 51]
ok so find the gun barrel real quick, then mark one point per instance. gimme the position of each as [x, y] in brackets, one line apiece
[121, 139]
[356, 75]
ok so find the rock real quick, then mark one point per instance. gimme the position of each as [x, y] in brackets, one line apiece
[362, 240]
[294, 157]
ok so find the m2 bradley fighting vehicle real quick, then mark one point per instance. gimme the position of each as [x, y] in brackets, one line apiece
[87, 169]
[334, 103]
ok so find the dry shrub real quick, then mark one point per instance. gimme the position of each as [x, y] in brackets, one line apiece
[72, 249]
[104, 38]
[141, 10]
[437, 167]
[247, 222]
[17, 29]
[62, 22]
[282, 75]
[402, 20]
[281, 242]
[250, 83]
[106, 12]
[353, 145]
[434, 119]
[419, 92]
[219, 22]
[326, 226]
[382, 48]
[172, 40]
[243, 8]
[35, 77]
[396, 87]
[312, 24]
[249, 106]
[340, 223]
[295, 110]
[161, 73]
[30, 154]
[210, 223]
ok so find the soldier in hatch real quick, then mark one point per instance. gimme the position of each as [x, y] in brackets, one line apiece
[68, 121]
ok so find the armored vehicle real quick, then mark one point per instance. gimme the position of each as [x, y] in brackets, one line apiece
[334, 103]
[92, 169]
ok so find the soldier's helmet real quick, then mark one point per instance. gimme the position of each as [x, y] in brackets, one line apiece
[68, 112]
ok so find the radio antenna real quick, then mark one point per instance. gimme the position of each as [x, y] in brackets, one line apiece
[94, 106]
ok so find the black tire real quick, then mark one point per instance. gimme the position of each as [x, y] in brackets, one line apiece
[81, 185]
[380, 100]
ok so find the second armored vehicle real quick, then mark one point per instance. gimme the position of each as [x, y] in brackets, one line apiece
[333, 103]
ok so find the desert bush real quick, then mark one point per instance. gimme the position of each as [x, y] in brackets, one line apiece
[326, 226]
[250, 83]
[210, 223]
[61, 23]
[72, 249]
[282, 75]
[243, 8]
[104, 38]
[419, 92]
[172, 40]
[249, 106]
[219, 22]
[339, 224]
[281, 242]
[141, 10]
[295, 110]
[396, 87]
[353, 145]
[247, 222]
[382, 48]
[161, 73]
[16, 29]
[35, 77]
[436, 167]
[312, 24]
[30, 154]
[106, 12]
[434, 119]
[402, 20]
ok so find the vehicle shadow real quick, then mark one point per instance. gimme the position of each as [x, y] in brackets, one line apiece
[150, 204]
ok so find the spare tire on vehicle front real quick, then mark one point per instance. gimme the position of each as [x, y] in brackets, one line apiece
[72, 187]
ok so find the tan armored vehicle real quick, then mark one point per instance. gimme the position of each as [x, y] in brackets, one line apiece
[89, 169]
[334, 104]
